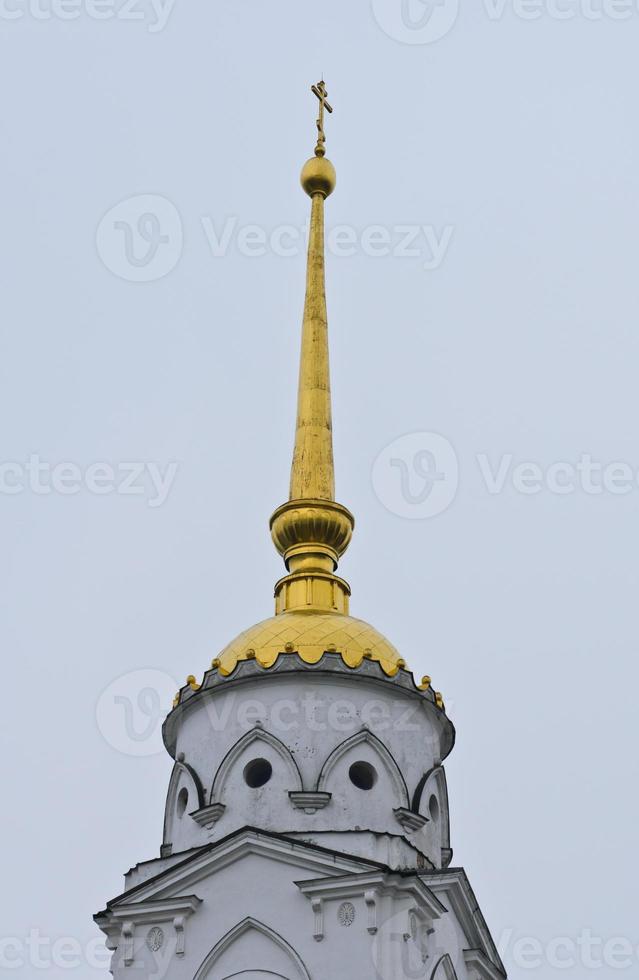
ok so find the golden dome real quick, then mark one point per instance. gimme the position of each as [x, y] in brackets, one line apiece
[310, 635]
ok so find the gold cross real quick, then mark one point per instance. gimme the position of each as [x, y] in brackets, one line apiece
[320, 91]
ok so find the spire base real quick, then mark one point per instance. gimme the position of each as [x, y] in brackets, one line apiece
[316, 592]
[312, 535]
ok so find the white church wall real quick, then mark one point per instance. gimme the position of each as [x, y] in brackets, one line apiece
[310, 734]
[262, 913]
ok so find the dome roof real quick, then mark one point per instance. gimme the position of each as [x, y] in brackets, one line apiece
[310, 635]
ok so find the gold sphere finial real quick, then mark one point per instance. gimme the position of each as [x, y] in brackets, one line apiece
[318, 176]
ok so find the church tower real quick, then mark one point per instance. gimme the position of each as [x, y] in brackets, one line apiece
[306, 830]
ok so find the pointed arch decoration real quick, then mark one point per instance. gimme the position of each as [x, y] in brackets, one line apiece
[434, 782]
[236, 933]
[444, 969]
[182, 774]
[387, 759]
[255, 735]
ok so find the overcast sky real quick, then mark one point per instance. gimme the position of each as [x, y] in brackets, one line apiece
[483, 297]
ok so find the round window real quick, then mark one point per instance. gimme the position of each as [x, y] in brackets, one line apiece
[362, 775]
[182, 801]
[257, 773]
[433, 808]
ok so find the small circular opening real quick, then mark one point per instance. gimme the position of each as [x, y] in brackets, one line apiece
[182, 801]
[257, 773]
[362, 775]
[433, 808]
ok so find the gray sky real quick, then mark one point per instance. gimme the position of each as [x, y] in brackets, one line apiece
[509, 330]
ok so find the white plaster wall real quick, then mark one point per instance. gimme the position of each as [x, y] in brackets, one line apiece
[308, 717]
[263, 889]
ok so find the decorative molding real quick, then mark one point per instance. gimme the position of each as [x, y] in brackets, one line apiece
[158, 910]
[154, 939]
[208, 816]
[483, 967]
[410, 821]
[180, 940]
[318, 909]
[370, 885]
[310, 802]
[346, 914]
[370, 897]
[370, 671]
[119, 923]
[128, 933]
[454, 888]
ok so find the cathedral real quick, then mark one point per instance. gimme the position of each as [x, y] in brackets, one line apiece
[306, 829]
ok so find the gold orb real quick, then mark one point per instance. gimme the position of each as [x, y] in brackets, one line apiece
[318, 176]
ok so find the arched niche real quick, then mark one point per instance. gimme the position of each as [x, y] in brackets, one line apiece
[252, 950]
[256, 744]
[444, 969]
[255, 975]
[363, 751]
[431, 800]
[184, 795]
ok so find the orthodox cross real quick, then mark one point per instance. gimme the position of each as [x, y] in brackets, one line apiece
[320, 91]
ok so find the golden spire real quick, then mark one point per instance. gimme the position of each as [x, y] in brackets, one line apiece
[311, 531]
[312, 472]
